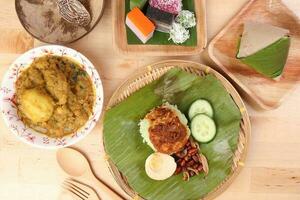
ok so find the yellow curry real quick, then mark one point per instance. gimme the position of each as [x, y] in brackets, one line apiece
[54, 96]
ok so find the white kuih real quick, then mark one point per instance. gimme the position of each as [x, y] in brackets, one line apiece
[257, 36]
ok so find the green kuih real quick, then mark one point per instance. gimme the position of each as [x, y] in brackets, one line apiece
[271, 60]
[137, 3]
[264, 48]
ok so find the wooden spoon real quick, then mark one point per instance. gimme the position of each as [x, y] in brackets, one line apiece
[75, 164]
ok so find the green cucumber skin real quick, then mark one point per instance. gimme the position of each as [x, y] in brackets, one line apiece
[205, 141]
[209, 115]
[271, 60]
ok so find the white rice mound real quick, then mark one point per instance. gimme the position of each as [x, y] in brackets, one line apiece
[145, 124]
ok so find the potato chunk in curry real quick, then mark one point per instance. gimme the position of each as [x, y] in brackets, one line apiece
[55, 96]
[36, 105]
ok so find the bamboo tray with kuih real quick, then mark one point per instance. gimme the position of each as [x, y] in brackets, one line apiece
[119, 140]
[126, 42]
[264, 92]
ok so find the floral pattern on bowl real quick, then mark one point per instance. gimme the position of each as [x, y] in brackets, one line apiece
[9, 109]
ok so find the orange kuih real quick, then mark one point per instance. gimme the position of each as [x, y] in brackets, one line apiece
[142, 27]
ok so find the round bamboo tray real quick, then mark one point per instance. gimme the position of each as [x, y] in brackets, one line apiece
[152, 72]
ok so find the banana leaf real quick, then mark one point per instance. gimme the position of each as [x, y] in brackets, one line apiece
[160, 38]
[271, 60]
[125, 146]
[137, 3]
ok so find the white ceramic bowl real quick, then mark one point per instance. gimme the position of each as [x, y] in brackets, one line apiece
[9, 110]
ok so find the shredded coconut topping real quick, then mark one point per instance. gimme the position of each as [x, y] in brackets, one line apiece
[186, 18]
[178, 33]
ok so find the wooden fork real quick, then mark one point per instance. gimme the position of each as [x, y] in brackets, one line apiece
[80, 191]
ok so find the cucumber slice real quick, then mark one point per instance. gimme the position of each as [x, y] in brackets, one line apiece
[200, 106]
[203, 128]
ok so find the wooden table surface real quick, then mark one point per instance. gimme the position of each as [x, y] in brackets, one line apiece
[272, 169]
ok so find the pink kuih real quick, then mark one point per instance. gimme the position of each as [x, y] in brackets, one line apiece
[171, 6]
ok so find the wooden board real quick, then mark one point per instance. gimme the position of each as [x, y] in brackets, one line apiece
[272, 167]
[120, 37]
[265, 92]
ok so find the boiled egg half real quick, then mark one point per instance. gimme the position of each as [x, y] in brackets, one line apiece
[160, 166]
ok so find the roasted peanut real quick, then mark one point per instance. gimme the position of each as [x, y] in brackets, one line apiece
[192, 152]
[182, 153]
[186, 158]
[193, 145]
[182, 163]
[190, 163]
[199, 168]
[195, 158]
[178, 170]
[191, 173]
[195, 166]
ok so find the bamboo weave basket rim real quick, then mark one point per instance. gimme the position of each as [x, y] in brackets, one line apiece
[154, 71]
